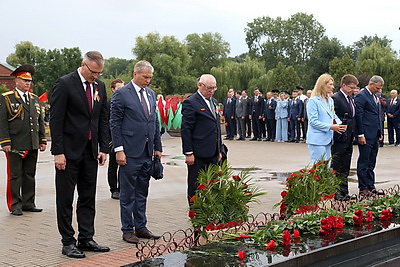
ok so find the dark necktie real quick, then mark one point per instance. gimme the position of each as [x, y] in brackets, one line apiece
[26, 98]
[144, 104]
[89, 99]
[391, 102]
[212, 107]
[351, 106]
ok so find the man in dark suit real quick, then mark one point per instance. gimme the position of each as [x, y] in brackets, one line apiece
[369, 132]
[270, 106]
[247, 119]
[21, 135]
[200, 131]
[112, 171]
[136, 138]
[257, 109]
[229, 115]
[342, 148]
[305, 116]
[295, 116]
[393, 117]
[79, 126]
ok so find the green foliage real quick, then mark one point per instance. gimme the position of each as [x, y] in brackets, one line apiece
[222, 198]
[114, 67]
[338, 67]
[25, 53]
[307, 187]
[205, 51]
[283, 78]
[3, 88]
[357, 46]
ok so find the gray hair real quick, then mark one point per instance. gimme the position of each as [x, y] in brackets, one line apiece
[143, 65]
[94, 56]
[377, 79]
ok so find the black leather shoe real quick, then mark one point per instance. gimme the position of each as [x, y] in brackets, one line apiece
[146, 234]
[92, 246]
[341, 197]
[34, 209]
[115, 195]
[17, 212]
[377, 192]
[72, 251]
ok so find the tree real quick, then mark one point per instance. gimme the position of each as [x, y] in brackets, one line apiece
[288, 41]
[52, 64]
[325, 51]
[116, 66]
[283, 78]
[338, 67]
[170, 60]
[206, 51]
[367, 41]
[25, 53]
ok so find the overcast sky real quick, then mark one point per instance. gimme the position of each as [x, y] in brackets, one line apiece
[111, 26]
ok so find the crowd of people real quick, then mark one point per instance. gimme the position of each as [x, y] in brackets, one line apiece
[85, 128]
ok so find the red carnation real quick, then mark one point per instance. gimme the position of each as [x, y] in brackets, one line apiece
[241, 254]
[369, 217]
[270, 245]
[296, 233]
[286, 238]
[358, 212]
[201, 187]
[283, 193]
[357, 220]
[193, 199]
[317, 178]
[192, 213]
[236, 177]
[243, 236]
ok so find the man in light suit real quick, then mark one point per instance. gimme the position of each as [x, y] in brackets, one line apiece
[200, 131]
[342, 148]
[241, 114]
[369, 132]
[136, 138]
[393, 117]
[79, 126]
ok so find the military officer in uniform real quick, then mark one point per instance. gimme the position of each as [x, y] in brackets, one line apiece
[21, 135]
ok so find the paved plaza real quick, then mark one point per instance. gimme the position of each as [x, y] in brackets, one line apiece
[33, 239]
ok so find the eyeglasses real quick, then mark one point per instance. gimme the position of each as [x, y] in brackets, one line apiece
[352, 87]
[93, 72]
[209, 88]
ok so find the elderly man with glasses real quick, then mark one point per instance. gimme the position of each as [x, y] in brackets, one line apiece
[200, 130]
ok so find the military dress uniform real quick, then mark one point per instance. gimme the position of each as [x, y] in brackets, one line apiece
[22, 127]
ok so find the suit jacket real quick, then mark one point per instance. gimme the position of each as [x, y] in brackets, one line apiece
[257, 106]
[368, 115]
[270, 106]
[393, 108]
[295, 108]
[320, 118]
[241, 107]
[71, 119]
[130, 127]
[229, 107]
[21, 125]
[342, 106]
[200, 130]
[282, 109]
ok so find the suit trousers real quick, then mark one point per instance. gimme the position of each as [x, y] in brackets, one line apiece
[112, 173]
[21, 183]
[134, 188]
[341, 161]
[193, 173]
[319, 152]
[82, 174]
[281, 130]
[248, 125]
[393, 127]
[256, 127]
[294, 129]
[230, 127]
[366, 164]
[271, 128]
[241, 126]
